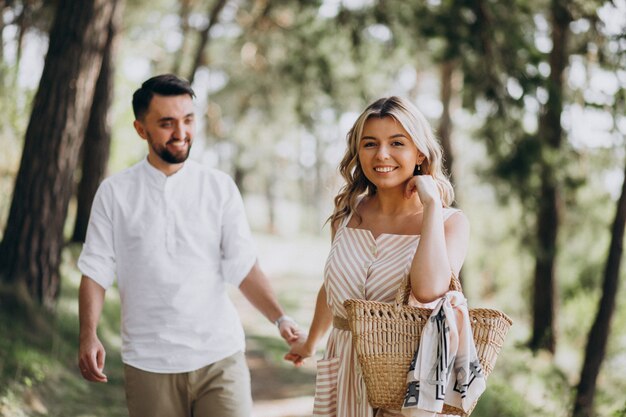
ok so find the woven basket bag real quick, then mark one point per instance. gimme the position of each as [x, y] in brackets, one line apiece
[386, 335]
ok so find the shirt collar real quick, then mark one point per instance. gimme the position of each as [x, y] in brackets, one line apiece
[155, 176]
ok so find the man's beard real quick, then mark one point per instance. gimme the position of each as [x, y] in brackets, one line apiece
[168, 156]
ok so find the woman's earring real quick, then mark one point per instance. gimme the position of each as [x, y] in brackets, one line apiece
[417, 170]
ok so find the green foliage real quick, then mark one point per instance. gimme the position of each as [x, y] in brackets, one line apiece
[620, 413]
[38, 371]
[281, 81]
[500, 400]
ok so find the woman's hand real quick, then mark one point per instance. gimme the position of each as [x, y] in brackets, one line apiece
[425, 188]
[300, 351]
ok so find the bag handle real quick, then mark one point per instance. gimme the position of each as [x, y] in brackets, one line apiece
[404, 291]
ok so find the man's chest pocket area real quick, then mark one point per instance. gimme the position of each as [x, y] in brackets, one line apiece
[199, 235]
[142, 231]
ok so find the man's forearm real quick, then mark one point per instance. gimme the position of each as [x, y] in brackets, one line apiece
[256, 288]
[90, 303]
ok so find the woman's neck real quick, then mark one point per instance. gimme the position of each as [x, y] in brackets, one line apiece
[393, 203]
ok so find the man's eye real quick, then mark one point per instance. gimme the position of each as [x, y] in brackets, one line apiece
[166, 124]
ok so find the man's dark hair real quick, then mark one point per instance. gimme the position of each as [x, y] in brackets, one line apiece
[163, 85]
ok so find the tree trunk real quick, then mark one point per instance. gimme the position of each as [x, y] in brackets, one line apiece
[270, 197]
[22, 22]
[239, 175]
[551, 134]
[185, 10]
[214, 15]
[599, 333]
[97, 143]
[2, 26]
[543, 336]
[30, 252]
[445, 123]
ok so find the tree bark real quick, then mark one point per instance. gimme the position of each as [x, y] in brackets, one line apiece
[2, 26]
[599, 333]
[22, 22]
[270, 197]
[551, 135]
[445, 123]
[30, 252]
[97, 143]
[214, 15]
[185, 10]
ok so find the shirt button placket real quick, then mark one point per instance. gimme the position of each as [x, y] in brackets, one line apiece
[367, 265]
[169, 217]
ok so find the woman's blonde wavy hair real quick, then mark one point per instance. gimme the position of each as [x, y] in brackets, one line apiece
[416, 125]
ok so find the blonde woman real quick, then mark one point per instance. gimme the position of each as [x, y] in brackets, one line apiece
[391, 219]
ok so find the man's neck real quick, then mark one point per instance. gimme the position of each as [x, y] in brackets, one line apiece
[165, 167]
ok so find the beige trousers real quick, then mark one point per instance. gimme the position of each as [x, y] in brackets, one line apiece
[221, 389]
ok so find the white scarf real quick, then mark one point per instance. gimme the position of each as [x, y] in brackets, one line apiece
[445, 368]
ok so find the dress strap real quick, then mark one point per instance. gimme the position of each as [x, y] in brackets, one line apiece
[448, 212]
[345, 222]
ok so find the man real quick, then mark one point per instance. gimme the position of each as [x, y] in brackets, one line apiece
[174, 233]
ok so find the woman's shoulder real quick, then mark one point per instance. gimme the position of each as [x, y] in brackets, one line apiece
[450, 211]
[455, 220]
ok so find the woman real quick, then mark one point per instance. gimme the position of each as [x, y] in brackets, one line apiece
[392, 218]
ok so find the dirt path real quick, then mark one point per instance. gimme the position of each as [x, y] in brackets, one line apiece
[295, 269]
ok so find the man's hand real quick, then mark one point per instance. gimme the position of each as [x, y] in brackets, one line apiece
[91, 356]
[289, 331]
[90, 351]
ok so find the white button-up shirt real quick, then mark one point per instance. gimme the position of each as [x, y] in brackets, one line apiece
[173, 243]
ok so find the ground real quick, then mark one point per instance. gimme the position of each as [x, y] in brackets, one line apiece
[40, 362]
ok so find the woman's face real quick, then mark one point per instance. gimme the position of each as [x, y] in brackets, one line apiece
[387, 153]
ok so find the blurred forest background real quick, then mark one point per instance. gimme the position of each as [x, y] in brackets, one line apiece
[527, 97]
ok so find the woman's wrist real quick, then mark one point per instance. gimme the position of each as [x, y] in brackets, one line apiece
[310, 345]
[432, 207]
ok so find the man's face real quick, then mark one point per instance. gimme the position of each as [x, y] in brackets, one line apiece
[169, 127]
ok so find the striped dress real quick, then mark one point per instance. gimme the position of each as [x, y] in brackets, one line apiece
[358, 266]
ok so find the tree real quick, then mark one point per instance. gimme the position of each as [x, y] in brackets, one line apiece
[551, 135]
[214, 14]
[599, 333]
[185, 12]
[445, 122]
[97, 143]
[30, 252]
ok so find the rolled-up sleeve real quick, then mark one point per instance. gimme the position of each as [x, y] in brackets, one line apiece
[97, 259]
[238, 249]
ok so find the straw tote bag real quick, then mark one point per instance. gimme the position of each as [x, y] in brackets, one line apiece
[386, 335]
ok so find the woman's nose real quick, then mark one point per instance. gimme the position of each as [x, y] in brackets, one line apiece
[383, 152]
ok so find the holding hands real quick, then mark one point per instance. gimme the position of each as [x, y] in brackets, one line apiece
[288, 329]
[300, 350]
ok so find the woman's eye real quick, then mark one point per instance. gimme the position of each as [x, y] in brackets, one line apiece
[397, 143]
[369, 144]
